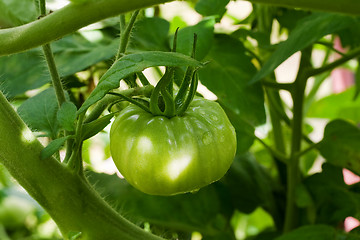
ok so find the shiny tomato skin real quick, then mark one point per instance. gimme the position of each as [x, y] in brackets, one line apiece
[162, 156]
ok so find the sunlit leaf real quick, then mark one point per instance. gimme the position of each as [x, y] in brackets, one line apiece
[40, 112]
[154, 40]
[341, 105]
[25, 71]
[308, 30]
[66, 116]
[205, 34]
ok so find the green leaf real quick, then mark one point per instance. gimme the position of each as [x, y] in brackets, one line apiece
[253, 224]
[15, 13]
[25, 71]
[22, 72]
[40, 113]
[200, 211]
[341, 145]
[308, 30]
[134, 63]
[332, 198]
[228, 75]
[245, 133]
[75, 53]
[249, 184]
[314, 232]
[289, 18]
[156, 39]
[53, 147]
[66, 116]
[205, 34]
[92, 128]
[341, 105]
[350, 36]
[211, 7]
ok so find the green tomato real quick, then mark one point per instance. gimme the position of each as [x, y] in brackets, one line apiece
[162, 156]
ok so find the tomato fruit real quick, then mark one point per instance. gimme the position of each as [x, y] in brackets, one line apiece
[167, 156]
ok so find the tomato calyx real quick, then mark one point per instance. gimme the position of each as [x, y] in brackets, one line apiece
[163, 101]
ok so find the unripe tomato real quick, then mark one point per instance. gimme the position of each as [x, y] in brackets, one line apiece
[163, 156]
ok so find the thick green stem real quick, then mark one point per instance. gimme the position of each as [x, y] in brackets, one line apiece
[67, 197]
[75, 16]
[64, 21]
[293, 173]
[344, 6]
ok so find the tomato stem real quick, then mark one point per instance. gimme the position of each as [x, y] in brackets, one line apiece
[142, 79]
[131, 100]
[108, 99]
[293, 172]
[125, 33]
[55, 78]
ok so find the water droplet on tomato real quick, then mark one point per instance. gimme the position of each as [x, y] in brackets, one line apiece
[213, 117]
[207, 138]
[222, 138]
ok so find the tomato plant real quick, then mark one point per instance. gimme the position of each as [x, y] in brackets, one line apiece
[227, 120]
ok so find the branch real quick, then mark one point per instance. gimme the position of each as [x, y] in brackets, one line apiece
[354, 53]
[68, 198]
[65, 21]
[344, 6]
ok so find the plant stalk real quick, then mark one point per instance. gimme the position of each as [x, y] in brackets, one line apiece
[345, 6]
[65, 21]
[55, 77]
[293, 171]
[69, 199]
